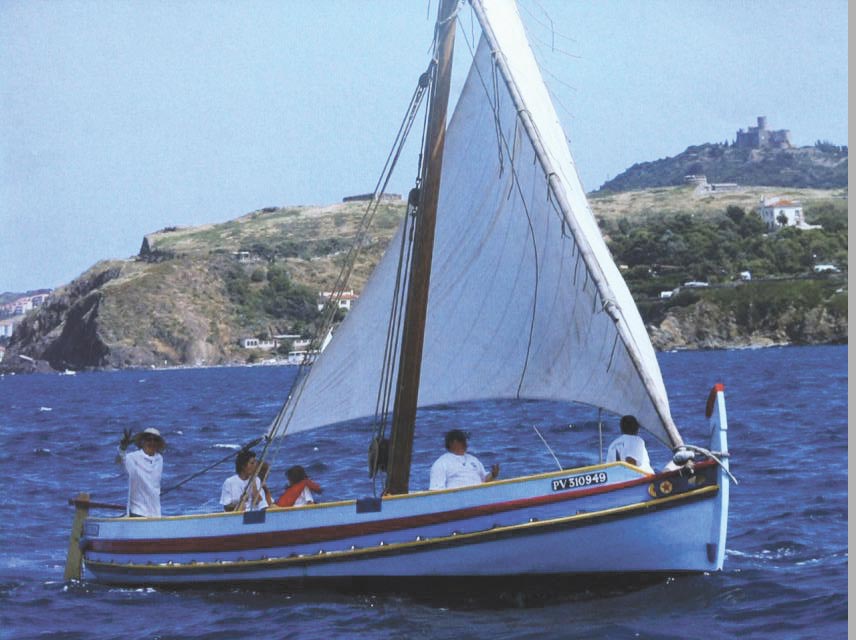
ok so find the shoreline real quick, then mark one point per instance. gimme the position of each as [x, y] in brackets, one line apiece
[42, 367]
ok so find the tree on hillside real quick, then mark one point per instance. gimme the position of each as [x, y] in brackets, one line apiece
[735, 213]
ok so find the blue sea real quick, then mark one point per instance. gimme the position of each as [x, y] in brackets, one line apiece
[786, 566]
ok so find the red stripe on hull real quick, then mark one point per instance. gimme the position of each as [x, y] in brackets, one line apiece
[271, 539]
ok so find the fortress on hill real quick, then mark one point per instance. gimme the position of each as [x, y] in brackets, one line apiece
[762, 138]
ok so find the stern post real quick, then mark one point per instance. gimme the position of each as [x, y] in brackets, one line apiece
[74, 559]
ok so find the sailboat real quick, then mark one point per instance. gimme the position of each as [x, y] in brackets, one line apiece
[507, 291]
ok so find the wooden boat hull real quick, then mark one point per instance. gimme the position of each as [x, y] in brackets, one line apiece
[619, 528]
[600, 519]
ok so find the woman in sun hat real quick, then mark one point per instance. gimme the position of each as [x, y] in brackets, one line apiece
[144, 468]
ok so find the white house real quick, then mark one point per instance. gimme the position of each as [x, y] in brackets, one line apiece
[345, 300]
[7, 326]
[255, 343]
[771, 211]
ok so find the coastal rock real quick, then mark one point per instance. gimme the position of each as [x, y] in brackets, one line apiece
[705, 325]
[64, 332]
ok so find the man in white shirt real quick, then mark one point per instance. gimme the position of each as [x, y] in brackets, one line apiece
[456, 467]
[144, 467]
[629, 447]
[234, 486]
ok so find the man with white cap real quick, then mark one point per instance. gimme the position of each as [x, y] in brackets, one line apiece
[144, 468]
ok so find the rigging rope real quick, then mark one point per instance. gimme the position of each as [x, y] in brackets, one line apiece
[279, 426]
[249, 445]
[713, 455]
[397, 308]
[394, 328]
[355, 250]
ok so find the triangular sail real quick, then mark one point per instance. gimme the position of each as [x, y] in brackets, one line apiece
[525, 300]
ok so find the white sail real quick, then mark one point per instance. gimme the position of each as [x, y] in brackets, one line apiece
[525, 300]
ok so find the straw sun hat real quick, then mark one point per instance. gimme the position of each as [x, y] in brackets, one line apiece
[150, 433]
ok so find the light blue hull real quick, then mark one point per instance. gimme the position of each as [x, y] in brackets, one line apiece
[594, 520]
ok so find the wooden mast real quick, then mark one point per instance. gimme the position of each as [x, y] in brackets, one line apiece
[410, 363]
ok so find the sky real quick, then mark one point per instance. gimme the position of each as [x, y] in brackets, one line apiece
[119, 118]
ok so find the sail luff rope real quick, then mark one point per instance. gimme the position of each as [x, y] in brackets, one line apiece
[592, 266]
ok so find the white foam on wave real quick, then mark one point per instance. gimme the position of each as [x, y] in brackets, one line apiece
[764, 554]
[133, 590]
[234, 447]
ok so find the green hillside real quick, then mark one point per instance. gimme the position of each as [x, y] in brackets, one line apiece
[192, 294]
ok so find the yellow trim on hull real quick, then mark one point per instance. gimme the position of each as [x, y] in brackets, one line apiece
[335, 555]
[415, 494]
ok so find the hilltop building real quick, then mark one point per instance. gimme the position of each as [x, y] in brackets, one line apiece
[762, 138]
[367, 197]
[778, 212]
[703, 186]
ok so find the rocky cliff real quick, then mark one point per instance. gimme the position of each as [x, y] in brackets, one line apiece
[192, 294]
[707, 325]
